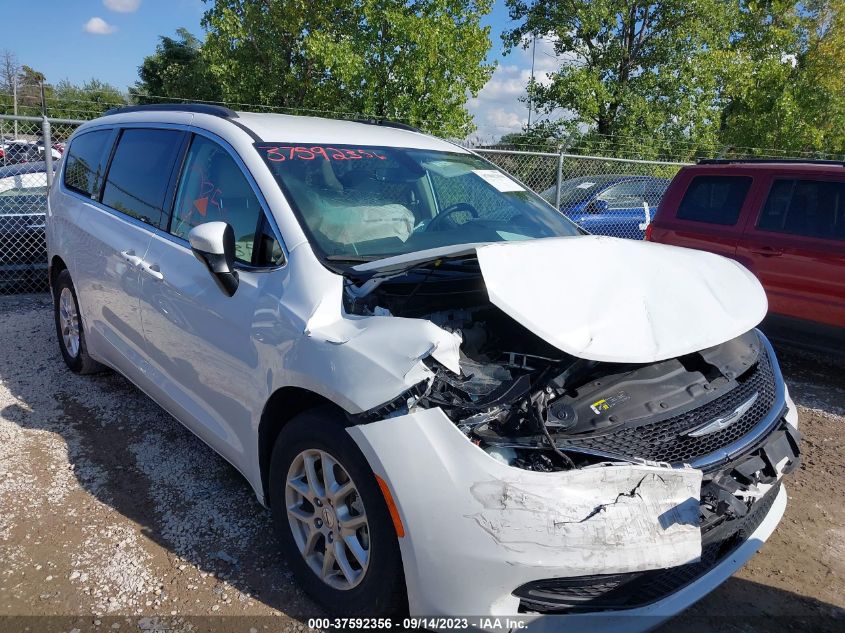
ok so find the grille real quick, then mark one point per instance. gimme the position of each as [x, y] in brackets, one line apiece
[627, 591]
[663, 441]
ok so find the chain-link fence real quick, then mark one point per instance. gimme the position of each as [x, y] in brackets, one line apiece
[604, 195]
[30, 150]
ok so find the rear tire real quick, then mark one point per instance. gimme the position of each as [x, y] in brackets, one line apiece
[363, 576]
[69, 328]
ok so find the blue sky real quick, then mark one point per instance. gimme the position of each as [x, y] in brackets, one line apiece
[108, 39]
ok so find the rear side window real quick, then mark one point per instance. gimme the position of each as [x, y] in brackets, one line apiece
[625, 195]
[84, 162]
[814, 208]
[140, 171]
[714, 199]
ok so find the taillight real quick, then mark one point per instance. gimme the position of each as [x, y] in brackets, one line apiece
[648, 231]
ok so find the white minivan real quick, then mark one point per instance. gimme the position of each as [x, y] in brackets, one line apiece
[452, 399]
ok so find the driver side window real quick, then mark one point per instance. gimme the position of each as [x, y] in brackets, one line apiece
[212, 187]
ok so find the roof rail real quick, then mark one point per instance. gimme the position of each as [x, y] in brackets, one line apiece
[389, 123]
[731, 161]
[199, 108]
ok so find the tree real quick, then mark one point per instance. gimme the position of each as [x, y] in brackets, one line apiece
[546, 134]
[787, 92]
[415, 61]
[91, 99]
[9, 71]
[679, 79]
[649, 69]
[62, 100]
[32, 88]
[821, 90]
[177, 70]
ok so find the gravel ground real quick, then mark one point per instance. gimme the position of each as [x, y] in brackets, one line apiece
[114, 517]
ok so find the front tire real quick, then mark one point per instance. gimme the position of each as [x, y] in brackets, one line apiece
[332, 520]
[69, 327]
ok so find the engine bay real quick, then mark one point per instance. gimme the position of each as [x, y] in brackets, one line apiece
[526, 402]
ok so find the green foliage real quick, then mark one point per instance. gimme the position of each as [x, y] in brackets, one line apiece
[62, 100]
[787, 91]
[93, 98]
[692, 78]
[30, 85]
[632, 66]
[543, 135]
[176, 70]
[413, 61]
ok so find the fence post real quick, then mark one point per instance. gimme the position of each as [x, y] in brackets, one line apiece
[559, 177]
[48, 150]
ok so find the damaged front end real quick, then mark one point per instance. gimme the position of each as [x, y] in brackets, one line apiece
[533, 406]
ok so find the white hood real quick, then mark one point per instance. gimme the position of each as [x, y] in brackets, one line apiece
[616, 300]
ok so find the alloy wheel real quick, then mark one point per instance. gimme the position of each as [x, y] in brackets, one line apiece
[69, 321]
[327, 519]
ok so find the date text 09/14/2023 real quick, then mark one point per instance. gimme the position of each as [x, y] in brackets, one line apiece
[413, 623]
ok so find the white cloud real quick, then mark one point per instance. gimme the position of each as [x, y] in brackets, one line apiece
[122, 6]
[498, 109]
[98, 26]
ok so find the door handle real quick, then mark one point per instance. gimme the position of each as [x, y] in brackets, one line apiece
[152, 270]
[131, 258]
[766, 251]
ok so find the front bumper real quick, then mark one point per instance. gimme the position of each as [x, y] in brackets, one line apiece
[650, 616]
[477, 529]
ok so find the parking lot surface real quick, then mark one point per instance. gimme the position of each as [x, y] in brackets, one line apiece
[113, 516]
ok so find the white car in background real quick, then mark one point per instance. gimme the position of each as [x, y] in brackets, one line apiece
[23, 207]
[22, 151]
[452, 399]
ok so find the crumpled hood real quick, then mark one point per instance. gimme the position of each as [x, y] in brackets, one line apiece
[616, 300]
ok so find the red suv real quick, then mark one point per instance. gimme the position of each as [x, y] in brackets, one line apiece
[785, 221]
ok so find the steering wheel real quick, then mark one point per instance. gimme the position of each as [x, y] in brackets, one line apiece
[437, 222]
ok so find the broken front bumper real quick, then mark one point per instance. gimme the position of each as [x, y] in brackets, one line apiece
[477, 530]
[647, 617]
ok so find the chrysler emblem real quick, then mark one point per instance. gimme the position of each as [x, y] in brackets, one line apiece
[726, 420]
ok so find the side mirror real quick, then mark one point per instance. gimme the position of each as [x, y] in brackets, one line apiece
[598, 206]
[214, 245]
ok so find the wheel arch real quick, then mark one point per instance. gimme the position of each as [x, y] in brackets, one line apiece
[283, 405]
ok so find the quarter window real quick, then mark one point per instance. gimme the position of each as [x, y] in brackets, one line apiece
[269, 250]
[814, 208]
[83, 163]
[140, 171]
[714, 199]
[213, 188]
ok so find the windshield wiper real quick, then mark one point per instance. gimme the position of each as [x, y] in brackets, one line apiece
[377, 276]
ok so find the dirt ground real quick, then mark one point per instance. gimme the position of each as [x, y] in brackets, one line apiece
[114, 517]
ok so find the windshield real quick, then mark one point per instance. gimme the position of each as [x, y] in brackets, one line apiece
[577, 190]
[361, 202]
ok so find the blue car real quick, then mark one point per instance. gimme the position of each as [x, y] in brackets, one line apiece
[612, 204]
